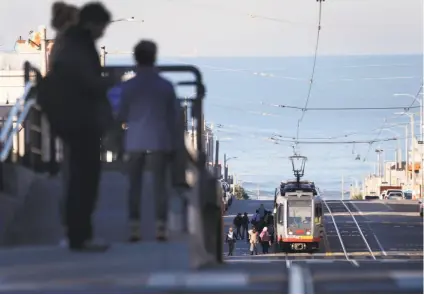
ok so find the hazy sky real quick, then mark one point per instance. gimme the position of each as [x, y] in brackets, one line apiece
[224, 27]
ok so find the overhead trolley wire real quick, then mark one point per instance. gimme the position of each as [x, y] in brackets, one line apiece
[342, 142]
[311, 81]
[398, 116]
[341, 108]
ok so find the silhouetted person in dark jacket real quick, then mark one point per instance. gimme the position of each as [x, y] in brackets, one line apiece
[237, 223]
[244, 225]
[63, 17]
[80, 113]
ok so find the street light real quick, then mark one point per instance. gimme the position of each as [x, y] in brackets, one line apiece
[103, 51]
[398, 163]
[225, 165]
[420, 101]
[129, 19]
[411, 116]
[298, 165]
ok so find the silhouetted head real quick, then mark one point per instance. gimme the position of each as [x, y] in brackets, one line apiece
[95, 18]
[63, 16]
[145, 53]
[257, 211]
[245, 213]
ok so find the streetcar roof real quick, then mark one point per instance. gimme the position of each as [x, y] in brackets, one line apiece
[295, 181]
[297, 195]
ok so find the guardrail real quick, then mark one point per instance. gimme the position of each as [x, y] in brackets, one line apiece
[205, 200]
[8, 140]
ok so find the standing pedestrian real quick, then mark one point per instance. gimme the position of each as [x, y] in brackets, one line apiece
[230, 239]
[74, 93]
[244, 226]
[262, 211]
[253, 240]
[150, 109]
[237, 223]
[63, 17]
[265, 240]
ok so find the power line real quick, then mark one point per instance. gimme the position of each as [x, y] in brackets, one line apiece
[398, 116]
[370, 142]
[341, 108]
[311, 81]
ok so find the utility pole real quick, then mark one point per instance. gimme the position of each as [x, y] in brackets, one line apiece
[217, 158]
[258, 190]
[225, 168]
[103, 56]
[46, 152]
[342, 187]
[406, 156]
[379, 151]
[413, 151]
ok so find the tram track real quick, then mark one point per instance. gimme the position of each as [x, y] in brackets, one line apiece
[344, 233]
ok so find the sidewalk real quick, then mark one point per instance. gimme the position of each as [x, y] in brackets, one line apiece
[143, 267]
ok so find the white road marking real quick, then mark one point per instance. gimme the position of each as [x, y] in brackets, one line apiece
[296, 280]
[379, 245]
[337, 230]
[222, 280]
[288, 263]
[408, 279]
[312, 261]
[354, 262]
[360, 231]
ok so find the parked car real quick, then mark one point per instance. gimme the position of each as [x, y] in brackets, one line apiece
[421, 207]
[395, 195]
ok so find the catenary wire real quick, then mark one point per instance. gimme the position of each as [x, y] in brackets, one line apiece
[311, 81]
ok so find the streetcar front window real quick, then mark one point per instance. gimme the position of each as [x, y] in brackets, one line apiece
[299, 214]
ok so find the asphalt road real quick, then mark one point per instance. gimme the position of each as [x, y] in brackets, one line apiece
[368, 247]
[392, 231]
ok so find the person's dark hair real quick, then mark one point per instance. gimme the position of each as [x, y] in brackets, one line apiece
[145, 53]
[94, 12]
[257, 211]
[62, 15]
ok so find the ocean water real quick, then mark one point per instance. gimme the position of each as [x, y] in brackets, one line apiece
[242, 90]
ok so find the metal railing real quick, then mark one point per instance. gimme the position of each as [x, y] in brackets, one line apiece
[205, 192]
[7, 139]
[14, 111]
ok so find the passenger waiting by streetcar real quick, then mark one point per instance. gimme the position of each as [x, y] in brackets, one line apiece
[271, 233]
[244, 225]
[262, 211]
[230, 239]
[238, 220]
[254, 241]
[256, 218]
[265, 240]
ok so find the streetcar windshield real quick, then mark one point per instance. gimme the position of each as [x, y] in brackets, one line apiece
[299, 214]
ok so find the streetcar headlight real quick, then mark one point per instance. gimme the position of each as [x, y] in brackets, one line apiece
[308, 233]
[290, 232]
